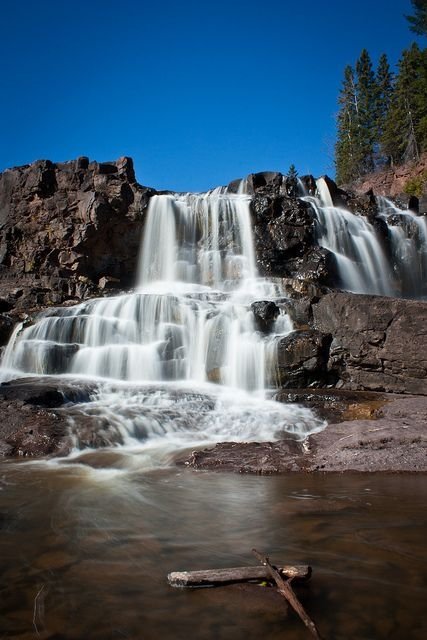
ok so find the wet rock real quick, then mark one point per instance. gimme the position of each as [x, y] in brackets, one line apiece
[216, 349]
[299, 311]
[318, 266]
[414, 204]
[283, 233]
[5, 305]
[265, 313]
[285, 238]
[264, 458]
[309, 184]
[61, 222]
[6, 328]
[422, 206]
[56, 357]
[336, 405]
[271, 180]
[33, 422]
[302, 358]
[108, 283]
[378, 344]
[338, 196]
[378, 434]
[39, 433]
[364, 204]
[46, 392]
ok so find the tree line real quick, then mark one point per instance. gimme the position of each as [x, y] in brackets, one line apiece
[382, 119]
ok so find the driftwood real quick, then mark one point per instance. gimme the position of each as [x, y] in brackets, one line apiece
[285, 589]
[212, 577]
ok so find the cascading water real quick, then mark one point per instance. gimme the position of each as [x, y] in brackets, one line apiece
[188, 324]
[407, 235]
[393, 265]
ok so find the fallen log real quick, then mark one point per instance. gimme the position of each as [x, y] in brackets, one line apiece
[285, 589]
[212, 577]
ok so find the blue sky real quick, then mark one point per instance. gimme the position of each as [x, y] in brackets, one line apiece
[198, 93]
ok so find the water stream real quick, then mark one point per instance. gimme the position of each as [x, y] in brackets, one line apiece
[179, 361]
[390, 264]
[85, 552]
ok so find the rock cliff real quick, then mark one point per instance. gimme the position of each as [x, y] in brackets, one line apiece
[68, 230]
[355, 342]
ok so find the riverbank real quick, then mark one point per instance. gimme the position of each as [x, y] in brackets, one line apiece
[388, 435]
[366, 431]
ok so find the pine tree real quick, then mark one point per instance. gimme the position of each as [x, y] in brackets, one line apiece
[292, 172]
[346, 148]
[405, 130]
[418, 22]
[292, 181]
[366, 98]
[384, 92]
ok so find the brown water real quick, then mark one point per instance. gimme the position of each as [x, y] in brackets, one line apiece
[85, 553]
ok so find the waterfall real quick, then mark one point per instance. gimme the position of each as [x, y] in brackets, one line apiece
[407, 235]
[391, 264]
[189, 317]
[187, 326]
[203, 239]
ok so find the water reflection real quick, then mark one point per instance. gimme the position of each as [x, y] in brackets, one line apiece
[85, 553]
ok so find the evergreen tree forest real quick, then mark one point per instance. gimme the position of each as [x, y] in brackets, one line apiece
[382, 118]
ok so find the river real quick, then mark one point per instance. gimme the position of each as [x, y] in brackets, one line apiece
[86, 549]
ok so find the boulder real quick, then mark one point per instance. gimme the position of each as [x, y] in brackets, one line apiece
[302, 359]
[308, 183]
[273, 181]
[33, 423]
[379, 344]
[265, 314]
[283, 233]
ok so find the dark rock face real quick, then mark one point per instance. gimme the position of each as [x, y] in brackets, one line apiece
[71, 231]
[283, 233]
[303, 358]
[379, 344]
[6, 328]
[363, 342]
[284, 230]
[265, 313]
[68, 230]
[339, 197]
[32, 423]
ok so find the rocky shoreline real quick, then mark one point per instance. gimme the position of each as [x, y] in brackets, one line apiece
[366, 431]
[394, 440]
